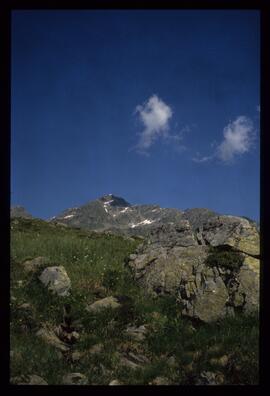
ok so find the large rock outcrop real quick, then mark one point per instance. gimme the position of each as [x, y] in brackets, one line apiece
[173, 261]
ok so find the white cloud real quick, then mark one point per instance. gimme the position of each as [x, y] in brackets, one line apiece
[238, 139]
[258, 108]
[155, 115]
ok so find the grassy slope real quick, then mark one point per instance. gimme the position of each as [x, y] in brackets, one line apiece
[93, 260]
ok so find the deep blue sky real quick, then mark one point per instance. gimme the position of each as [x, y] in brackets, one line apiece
[77, 78]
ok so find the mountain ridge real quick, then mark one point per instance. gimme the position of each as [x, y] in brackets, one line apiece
[114, 214]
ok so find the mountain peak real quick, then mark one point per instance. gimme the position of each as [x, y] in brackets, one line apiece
[113, 200]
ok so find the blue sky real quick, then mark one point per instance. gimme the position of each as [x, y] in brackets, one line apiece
[156, 106]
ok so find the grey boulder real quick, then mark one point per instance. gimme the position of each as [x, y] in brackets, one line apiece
[56, 279]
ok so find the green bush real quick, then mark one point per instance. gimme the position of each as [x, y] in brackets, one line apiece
[226, 258]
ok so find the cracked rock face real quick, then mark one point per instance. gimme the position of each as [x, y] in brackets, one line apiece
[230, 230]
[172, 261]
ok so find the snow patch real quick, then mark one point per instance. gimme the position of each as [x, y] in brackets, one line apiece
[108, 202]
[68, 216]
[124, 210]
[144, 222]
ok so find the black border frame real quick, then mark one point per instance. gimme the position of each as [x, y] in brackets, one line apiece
[5, 36]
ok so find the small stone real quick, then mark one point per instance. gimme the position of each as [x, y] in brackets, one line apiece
[132, 256]
[74, 379]
[160, 381]
[34, 264]
[48, 336]
[210, 378]
[128, 363]
[137, 333]
[36, 380]
[108, 302]
[115, 382]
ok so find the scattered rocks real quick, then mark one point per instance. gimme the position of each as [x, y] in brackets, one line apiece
[108, 302]
[56, 279]
[74, 379]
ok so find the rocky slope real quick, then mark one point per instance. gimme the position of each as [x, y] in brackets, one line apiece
[111, 213]
[80, 316]
[175, 258]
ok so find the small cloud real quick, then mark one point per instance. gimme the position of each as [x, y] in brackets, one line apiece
[238, 139]
[202, 159]
[258, 108]
[155, 115]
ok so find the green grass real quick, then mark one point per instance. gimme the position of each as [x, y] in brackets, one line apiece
[97, 260]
